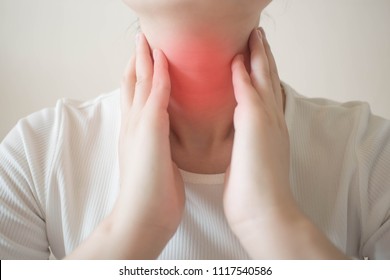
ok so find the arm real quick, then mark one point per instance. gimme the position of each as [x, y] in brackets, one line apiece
[289, 236]
[151, 198]
[258, 202]
[25, 156]
[373, 157]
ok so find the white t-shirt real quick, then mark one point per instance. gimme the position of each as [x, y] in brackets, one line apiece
[59, 179]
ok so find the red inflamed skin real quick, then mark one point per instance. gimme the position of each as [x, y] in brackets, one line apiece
[200, 73]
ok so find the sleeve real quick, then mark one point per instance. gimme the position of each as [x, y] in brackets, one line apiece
[26, 155]
[374, 184]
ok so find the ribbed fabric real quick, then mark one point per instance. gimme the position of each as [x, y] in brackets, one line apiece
[59, 179]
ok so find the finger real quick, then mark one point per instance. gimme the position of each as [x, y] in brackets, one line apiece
[260, 72]
[127, 86]
[274, 72]
[144, 71]
[161, 86]
[244, 91]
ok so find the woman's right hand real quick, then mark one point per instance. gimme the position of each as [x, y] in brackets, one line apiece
[151, 198]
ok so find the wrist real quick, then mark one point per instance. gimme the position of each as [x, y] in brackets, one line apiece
[269, 222]
[290, 236]
[266, 213]
[135, 240]
[109, 241]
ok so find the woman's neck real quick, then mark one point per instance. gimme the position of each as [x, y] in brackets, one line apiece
[202, 98]
[200, 55]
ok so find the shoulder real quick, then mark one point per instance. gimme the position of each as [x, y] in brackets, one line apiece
[348, 119]
[37, 140]
[52, 121]
[104, 103]
[39, 135]
[328, 110]
[68, 109]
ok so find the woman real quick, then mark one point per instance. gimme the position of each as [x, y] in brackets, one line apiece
[217, 158]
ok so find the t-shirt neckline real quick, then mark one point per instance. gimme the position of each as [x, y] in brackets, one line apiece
[202, 179]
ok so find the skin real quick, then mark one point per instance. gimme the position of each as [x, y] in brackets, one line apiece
[220, 112]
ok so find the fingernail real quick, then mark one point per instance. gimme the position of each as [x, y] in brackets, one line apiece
[259, 35]
[263, 33]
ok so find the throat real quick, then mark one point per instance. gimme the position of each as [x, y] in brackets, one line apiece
[200, 67]
[201, 110]
[214, 160]
[202, 101]
[202, 104]
[201, 94]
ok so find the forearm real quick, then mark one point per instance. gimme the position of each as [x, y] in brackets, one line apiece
[111, 242]
[290, 236]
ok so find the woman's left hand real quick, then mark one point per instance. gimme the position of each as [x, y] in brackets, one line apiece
[257, 193]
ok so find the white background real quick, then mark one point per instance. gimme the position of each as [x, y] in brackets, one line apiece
[337, 49]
